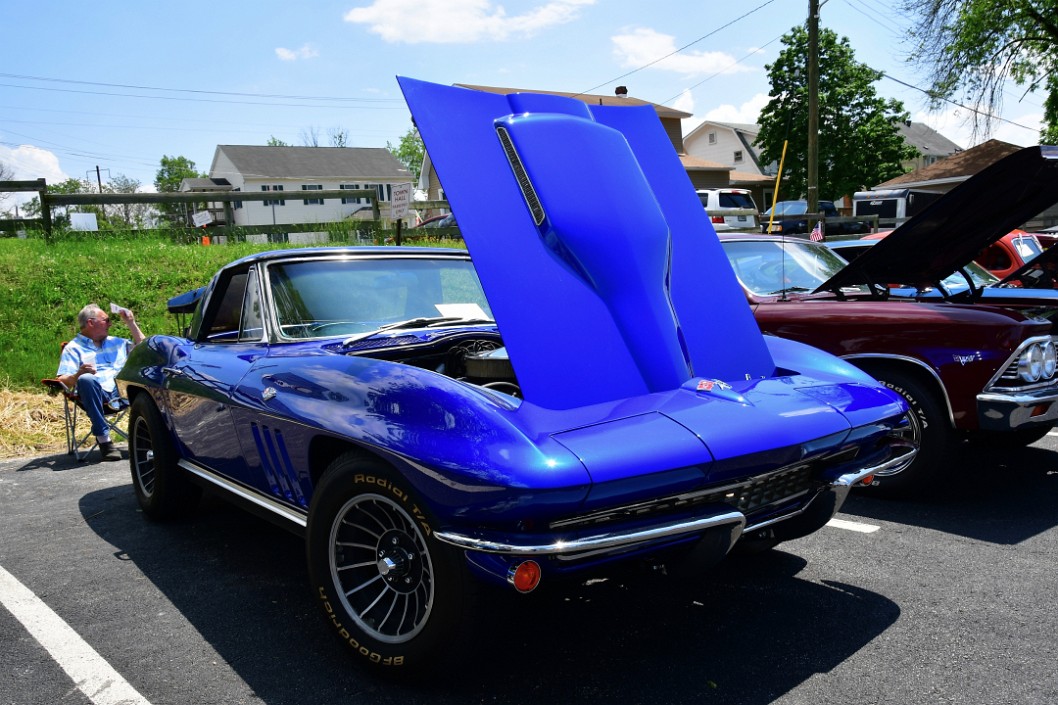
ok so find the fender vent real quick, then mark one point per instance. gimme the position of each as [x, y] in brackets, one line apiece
[528, 192]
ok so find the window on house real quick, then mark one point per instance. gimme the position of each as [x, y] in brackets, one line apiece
[712, 138]
[236, 204]
[271, 187]
[385, 192]
[312, 201]
[350, 187]
[738, 156]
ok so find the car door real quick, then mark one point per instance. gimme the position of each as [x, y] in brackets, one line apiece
[200, 385]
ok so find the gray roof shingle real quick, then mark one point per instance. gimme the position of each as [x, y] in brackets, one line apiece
[254, 161]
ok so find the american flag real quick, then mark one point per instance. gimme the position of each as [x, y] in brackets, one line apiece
[817, 232]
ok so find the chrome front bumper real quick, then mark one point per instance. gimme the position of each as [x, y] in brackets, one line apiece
[1004, 411]
[731, 521]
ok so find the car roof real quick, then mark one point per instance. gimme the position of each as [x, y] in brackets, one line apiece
[950, 231]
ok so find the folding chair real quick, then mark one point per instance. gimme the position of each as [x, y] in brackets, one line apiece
[78, 445]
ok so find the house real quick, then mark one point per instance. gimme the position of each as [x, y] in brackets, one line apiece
[734, 144]
[293, 173]
[945, 174]
[930, 144]
[209, 212]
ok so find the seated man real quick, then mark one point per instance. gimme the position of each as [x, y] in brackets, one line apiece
[90, 363]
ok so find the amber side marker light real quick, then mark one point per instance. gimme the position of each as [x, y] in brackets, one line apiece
[525, 576]
[866, 482]
[1039, 410]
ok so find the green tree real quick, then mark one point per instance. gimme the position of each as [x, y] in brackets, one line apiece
[171, 172]
[60, 216]
[970, 48]
[274, 141]
[410, 152]
[129, 215]
[859, 142]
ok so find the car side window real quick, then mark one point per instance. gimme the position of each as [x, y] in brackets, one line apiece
[221, 323]
[251, 322]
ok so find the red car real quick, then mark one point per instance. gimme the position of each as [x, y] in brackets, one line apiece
[1003, 257]
[967, 369]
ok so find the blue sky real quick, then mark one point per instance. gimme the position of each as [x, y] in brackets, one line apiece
[120, 84]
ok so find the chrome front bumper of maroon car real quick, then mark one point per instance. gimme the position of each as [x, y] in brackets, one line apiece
[1005, 411]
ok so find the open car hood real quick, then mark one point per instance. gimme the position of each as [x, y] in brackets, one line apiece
[601, 268]
[952, 230]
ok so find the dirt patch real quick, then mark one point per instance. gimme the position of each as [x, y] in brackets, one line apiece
[30, 424]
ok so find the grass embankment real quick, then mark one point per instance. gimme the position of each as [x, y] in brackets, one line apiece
[43, 286]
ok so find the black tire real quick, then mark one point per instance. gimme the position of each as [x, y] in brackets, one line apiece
[930, 427]
[394, 593]
[162, 489]
[1010, 440]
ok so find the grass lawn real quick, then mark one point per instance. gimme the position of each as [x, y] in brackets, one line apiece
[43, 286]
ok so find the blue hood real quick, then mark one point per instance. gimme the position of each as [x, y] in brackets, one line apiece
[602, 269]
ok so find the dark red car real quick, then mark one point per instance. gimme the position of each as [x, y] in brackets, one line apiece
[968, 367]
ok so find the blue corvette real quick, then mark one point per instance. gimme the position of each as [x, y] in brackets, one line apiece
[583, 392]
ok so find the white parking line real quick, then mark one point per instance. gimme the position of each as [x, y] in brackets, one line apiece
[1052, 433]
[88, 670]
[853, 526]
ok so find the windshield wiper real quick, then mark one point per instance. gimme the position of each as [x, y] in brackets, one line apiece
[789, 289]
[420, 322]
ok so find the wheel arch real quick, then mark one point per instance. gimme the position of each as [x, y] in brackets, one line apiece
[878, 365]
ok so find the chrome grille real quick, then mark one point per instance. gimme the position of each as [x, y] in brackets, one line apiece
[778, 487]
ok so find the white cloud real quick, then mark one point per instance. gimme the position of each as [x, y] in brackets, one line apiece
[643, 46]
[459, 21]
[955, 124]
[305, 52]
[748, 113]
[29, 163]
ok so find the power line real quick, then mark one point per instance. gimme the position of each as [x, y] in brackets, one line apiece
[677, 51]
[193, 90]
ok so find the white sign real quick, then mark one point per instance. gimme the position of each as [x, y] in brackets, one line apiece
[401, 195]
[202, 218]
[83, 221]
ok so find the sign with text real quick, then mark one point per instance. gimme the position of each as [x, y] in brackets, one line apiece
[202, 219]
[401, 195]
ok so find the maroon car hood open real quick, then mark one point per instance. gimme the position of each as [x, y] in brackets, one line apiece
[952, 230]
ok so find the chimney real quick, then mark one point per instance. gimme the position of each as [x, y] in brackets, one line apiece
[621, 91]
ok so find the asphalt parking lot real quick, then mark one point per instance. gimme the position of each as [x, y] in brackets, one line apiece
[947, 599]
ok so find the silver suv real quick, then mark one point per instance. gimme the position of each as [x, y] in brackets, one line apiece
[730, 209]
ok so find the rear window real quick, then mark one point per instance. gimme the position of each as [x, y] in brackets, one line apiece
[736, 200]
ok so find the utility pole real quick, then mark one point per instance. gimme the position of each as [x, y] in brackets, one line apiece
[812, 167]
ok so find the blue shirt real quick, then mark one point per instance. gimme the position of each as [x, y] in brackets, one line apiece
[110, 358]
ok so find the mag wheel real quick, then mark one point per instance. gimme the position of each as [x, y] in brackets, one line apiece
[929, 427]
[162, 489]
[392, 592]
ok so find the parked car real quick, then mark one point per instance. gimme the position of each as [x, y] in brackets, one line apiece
[445, 220]
[730, 208]
[623, 406]
[790, 218]
[1002, 257]
[967, 370]
[974, 360]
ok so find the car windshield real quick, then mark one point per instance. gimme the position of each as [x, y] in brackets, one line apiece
[736, 199]
[1028, 247]
[769, 268]
[341, 297]
[789, 208]
[981, 277]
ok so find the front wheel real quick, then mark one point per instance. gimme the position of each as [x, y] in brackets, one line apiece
[929, 427]
[391, 591]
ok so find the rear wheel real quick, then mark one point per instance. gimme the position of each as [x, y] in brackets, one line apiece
[391, 591]
[162, 488]
[929, 427]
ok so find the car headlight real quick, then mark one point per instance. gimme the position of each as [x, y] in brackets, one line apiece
[1038, 361]
[1050, 359]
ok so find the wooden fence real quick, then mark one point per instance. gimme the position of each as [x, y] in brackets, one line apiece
[51, 200]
